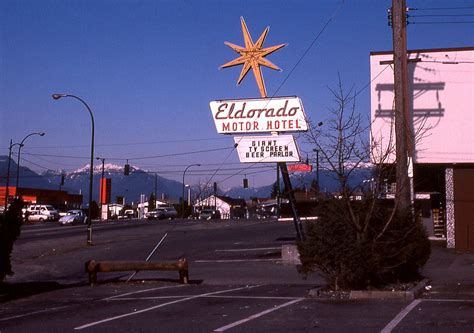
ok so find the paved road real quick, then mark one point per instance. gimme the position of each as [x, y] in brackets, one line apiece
[238, 285]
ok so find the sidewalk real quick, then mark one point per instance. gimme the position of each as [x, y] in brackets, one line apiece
[451, 273]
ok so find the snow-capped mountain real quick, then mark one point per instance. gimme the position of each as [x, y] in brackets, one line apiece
[141, 182]
[109, 168]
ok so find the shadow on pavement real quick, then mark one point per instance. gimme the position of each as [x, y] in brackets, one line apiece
[12, 291]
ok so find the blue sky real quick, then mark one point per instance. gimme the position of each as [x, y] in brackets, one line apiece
[148, 70]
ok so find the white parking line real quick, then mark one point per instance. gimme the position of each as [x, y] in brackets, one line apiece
[447, 300]
[142, 291]
[255, 249]
[395, 321]
[158, 306]
[235, 260]
[210, 296]
[257, 315]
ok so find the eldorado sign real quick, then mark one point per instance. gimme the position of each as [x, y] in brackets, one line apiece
[280, 114]
[270, 148]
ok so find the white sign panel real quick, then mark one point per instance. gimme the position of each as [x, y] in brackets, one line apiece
[265, 149]
[279, 114]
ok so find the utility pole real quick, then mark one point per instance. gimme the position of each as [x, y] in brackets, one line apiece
[403, 137]
[156, 185]
[278, 195]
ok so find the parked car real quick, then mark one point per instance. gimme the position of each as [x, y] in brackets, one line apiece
[127, 214]
[37, 216]
[49, 210]
[208, 214]
[75, 216]
[154, 214]
[167, 212]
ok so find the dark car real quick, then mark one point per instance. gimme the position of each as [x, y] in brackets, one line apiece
[208, 214]
[162, 213]
[154, 214]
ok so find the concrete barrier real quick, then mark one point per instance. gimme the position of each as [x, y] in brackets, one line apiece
[290, 255]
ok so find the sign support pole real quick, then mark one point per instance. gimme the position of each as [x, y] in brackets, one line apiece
[300, 236]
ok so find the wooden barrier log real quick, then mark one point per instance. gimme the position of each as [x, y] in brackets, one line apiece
[93, 267]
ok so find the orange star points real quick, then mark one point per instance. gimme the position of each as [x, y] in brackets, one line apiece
[252, 56]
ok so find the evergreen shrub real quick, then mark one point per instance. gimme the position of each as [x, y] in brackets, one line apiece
[357, 249]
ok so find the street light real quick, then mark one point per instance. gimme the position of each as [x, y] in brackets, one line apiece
[19, 153]
[182, 197]
[89, 221]
[8, 172]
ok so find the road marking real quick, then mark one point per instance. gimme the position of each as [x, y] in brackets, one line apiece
[395, 321]
[34, 312]
[257, 315]
[255, 249]
[159, 306]
[447, 300]
[211, 296]
[234, 260]
[142, 291]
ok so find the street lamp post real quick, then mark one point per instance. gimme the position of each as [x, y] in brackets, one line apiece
[102, 184]
[19, 153]
[8, 173]
[182, 197]
[89, 221]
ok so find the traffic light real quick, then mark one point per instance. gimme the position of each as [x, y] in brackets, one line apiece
[126, 169]
[246, 183]
[62, 179]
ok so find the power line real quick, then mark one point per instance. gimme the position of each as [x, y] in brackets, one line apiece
[135, 158]
[129, 144]
[368, 84]
[441, 15]
[442, 8]
[441, 22]
[309, 48]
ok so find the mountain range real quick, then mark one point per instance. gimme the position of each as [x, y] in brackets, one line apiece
[141, 182]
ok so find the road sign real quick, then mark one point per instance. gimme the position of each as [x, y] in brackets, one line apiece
[278, 114]
[300, 167]
[265, 149]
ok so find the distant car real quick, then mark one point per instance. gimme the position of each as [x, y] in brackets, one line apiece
[127, 214]
[167, 212]
[208, 214]
[37, 216]
[154, 214]
[75, 216]
[49, 210]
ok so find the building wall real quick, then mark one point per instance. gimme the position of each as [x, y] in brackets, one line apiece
[441, 100]
[60, 199]
[464, 209]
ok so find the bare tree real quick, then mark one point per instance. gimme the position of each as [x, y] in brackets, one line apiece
[365, 241]
[342, 144]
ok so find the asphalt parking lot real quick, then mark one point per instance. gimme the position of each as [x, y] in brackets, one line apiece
[237, 285]
[171, 307]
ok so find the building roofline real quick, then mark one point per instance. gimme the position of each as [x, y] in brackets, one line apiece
[449, 49]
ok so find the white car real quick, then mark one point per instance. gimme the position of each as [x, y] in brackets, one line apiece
[75, 216]
[36, 216]
[49, 210]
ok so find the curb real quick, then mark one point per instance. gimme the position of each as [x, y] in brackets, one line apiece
[410, 294]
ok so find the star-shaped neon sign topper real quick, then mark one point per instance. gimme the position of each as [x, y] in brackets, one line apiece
[252, 56]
